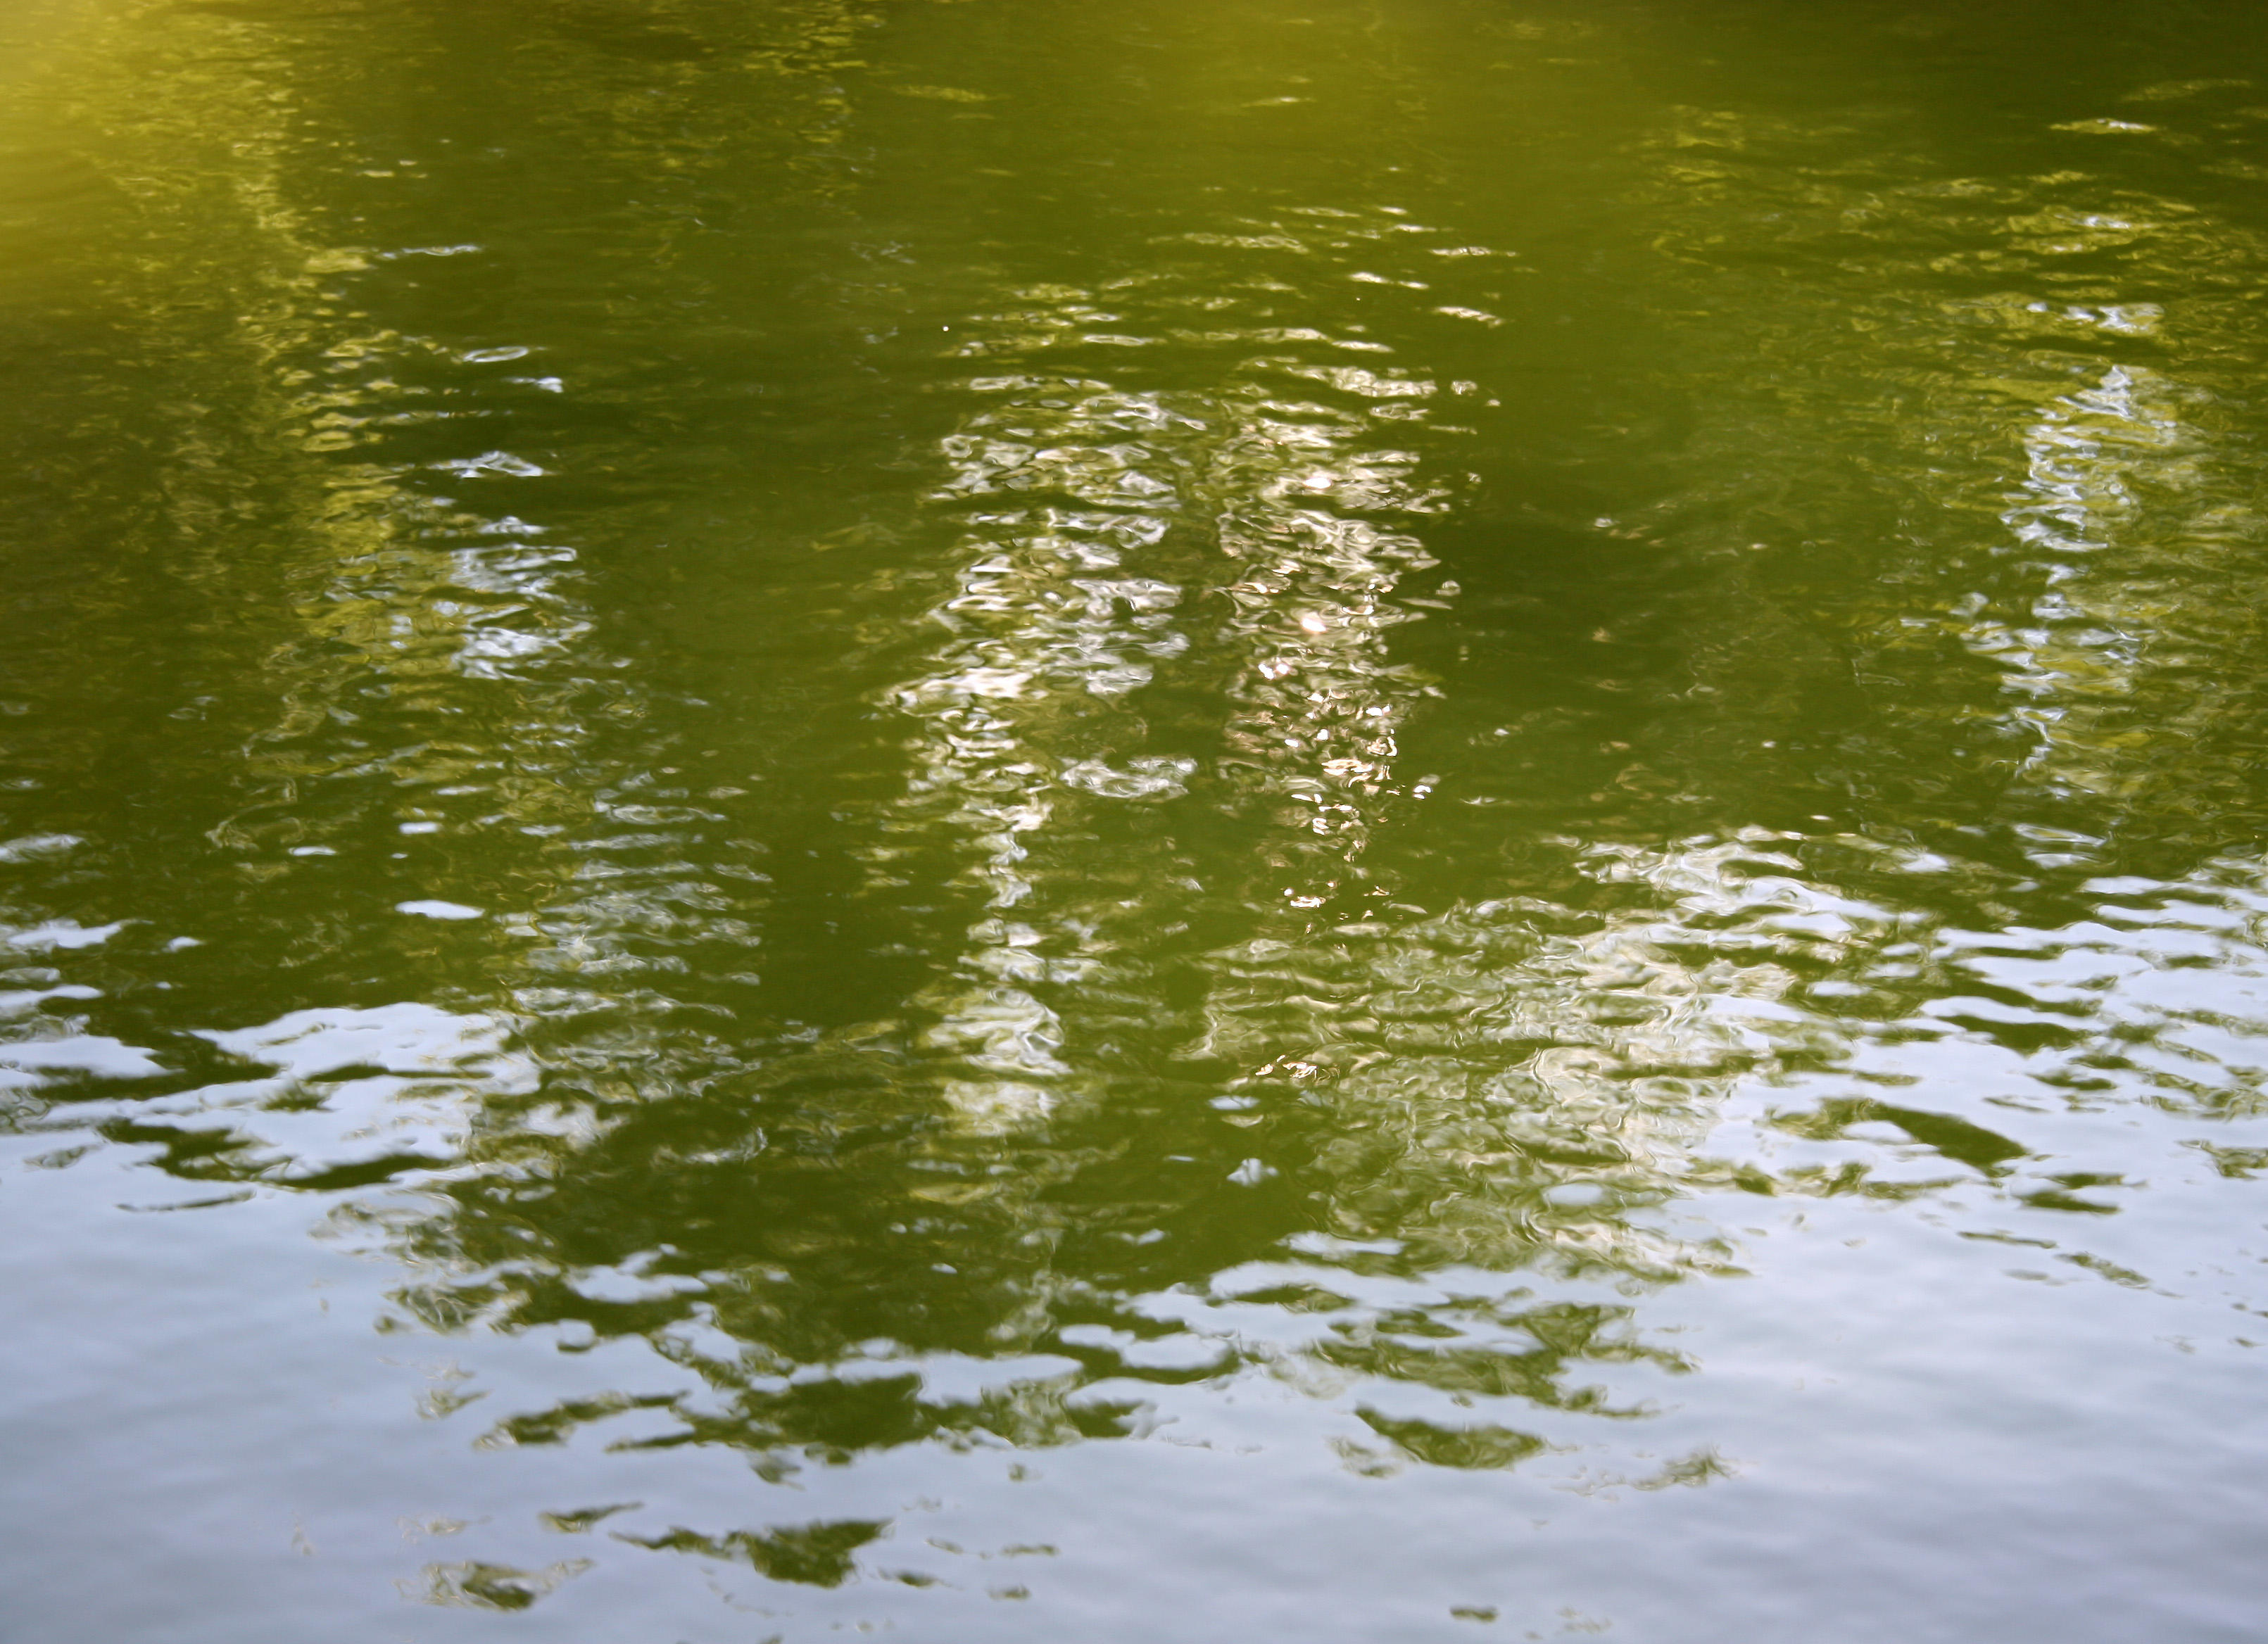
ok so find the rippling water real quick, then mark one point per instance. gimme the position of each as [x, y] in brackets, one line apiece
[1198, 820]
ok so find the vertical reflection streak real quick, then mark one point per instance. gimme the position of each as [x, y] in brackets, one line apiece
[1317, 702]
[1129, 513]
[1053, 630]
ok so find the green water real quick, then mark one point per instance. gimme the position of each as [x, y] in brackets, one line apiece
[1186, 821]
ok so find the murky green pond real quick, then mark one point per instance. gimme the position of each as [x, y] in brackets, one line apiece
[1180, 821]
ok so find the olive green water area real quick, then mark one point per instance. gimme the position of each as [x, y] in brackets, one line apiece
[1182, 820]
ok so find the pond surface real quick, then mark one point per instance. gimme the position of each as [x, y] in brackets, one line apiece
[1329, 820]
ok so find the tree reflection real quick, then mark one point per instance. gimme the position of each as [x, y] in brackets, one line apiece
[1340, 903]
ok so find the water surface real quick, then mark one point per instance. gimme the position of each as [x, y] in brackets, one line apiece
[1202, 819]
